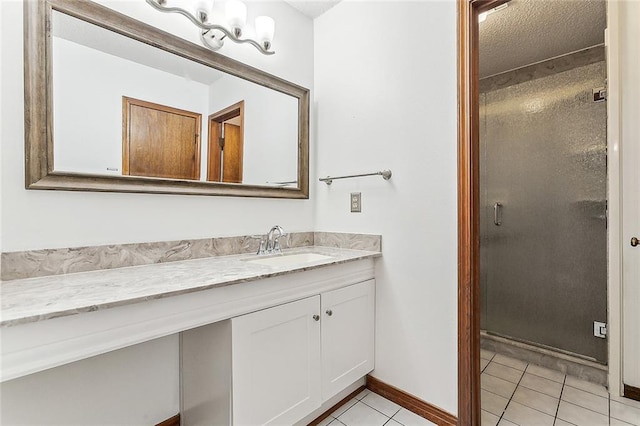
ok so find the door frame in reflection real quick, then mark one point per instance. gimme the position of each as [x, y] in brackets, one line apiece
[225, 154]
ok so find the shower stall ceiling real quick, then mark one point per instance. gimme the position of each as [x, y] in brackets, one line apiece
[543, 180]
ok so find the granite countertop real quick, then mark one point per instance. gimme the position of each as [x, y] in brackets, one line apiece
[37, 299]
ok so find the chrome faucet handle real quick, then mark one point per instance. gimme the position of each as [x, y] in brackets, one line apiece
[276, 246]
[276, 240]
[262, 249]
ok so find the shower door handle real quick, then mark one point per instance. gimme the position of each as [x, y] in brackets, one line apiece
[497, 214]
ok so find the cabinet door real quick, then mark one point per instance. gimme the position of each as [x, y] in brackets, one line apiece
[347, 336]
[276, 364]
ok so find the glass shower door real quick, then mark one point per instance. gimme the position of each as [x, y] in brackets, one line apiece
[543, 225]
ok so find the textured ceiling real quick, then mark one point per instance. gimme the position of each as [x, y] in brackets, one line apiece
[529, 31]
[313, 9]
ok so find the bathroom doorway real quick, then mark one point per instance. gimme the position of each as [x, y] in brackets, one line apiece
[532, 202]
[543, 225]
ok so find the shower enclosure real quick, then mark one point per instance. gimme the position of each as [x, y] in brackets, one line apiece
[543, 205]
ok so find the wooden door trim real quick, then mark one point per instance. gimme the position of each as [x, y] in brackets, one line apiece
[228, 112]
[172, 421]
[219, 117]
[469, 209]
[127, 102]
[631, 392]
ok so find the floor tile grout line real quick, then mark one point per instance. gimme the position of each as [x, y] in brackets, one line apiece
[492, 356]
[544, 393]
[394, 414]
[373, 408]
[392, 417]
[363, 390]
[496, 394]
[513, 393]
[537, 375]
[585, 408]
[533, 408]
[559, 400]
[608, 398]
[353, 405]
[583, 390]
[488, 374]
[625, 403]
[503, 365]
[515, 368]
[562, 420]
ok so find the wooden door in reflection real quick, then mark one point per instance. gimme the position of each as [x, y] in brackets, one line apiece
[160, 141]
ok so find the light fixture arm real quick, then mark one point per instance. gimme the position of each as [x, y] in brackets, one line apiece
[205, 27]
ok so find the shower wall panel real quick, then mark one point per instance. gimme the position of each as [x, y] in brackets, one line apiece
[543, 158]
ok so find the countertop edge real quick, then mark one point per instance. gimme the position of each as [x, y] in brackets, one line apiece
[130, 301]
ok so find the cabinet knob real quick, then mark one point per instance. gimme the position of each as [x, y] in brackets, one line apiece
[634, 242]
[329, 312]
[316, 317]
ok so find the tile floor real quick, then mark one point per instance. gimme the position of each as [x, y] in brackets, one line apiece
[513, 393]
[370, 409]
[517, 393]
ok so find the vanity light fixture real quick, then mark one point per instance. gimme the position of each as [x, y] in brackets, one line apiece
[213, 35]
[483, 16]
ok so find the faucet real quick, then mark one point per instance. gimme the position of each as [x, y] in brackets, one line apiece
[270, 244]
[273, 240]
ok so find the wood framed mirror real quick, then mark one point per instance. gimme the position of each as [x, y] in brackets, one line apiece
[76, 134]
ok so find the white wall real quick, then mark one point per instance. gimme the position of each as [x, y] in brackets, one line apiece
[49, 219]
[385, 97]
[88, 134]
[270, 129]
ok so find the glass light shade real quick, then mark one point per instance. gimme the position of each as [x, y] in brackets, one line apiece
[236, 14]
[203, 5]
[265, 29]
[203, 9]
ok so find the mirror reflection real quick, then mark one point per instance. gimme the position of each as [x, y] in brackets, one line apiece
[125, 108]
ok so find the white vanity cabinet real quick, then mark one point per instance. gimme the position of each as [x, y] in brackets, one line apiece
[347, 336]
[285, 361]
[276, 363]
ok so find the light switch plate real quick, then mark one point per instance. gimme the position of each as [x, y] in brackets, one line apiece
[356, 202]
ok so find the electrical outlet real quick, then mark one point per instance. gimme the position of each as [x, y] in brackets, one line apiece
[356, 202]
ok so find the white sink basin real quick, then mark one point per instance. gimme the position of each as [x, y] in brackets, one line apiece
[289, 259]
